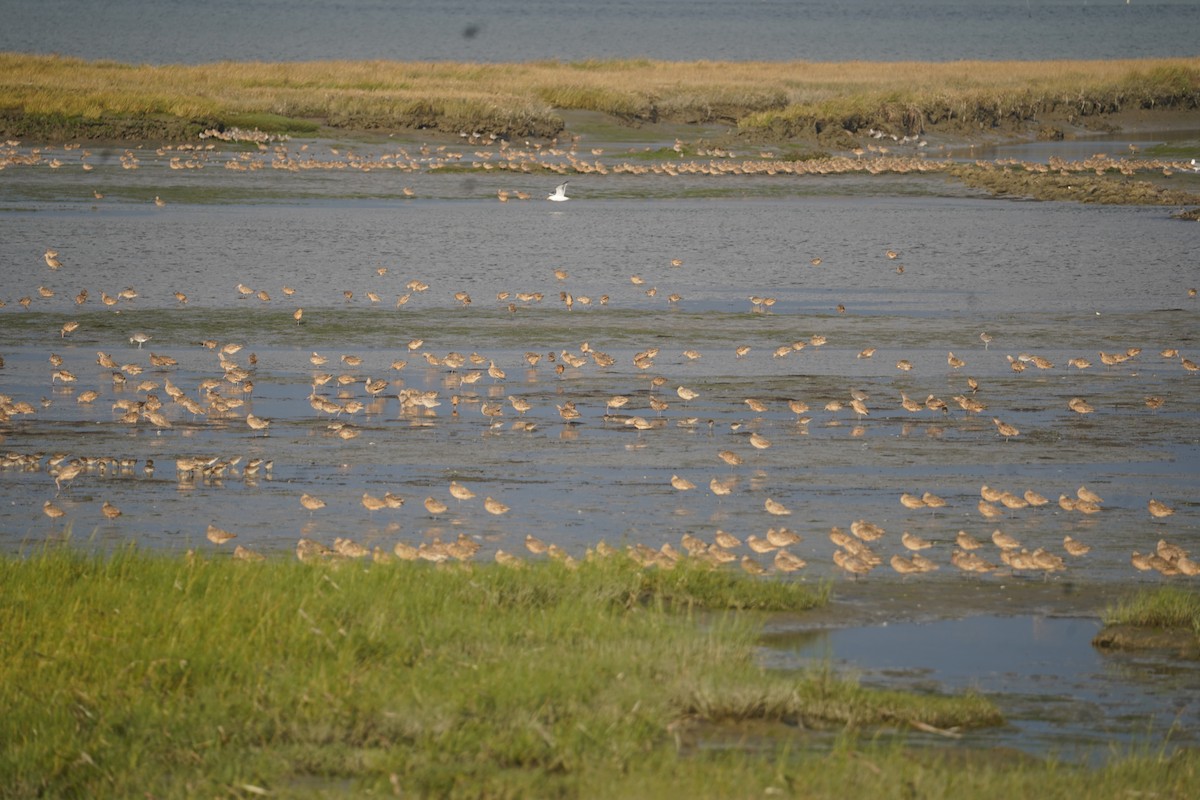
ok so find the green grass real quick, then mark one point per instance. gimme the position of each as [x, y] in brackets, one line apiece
[152, 675]
[1167, 607]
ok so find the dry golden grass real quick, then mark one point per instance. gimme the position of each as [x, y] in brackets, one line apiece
[787, 98]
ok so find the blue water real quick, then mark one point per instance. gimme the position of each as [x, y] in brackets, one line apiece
[169, 31]
[1058, 694]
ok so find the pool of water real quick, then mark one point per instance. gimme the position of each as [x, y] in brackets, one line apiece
[1060, 696]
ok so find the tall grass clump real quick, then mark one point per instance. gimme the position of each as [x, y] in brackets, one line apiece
[1166, 607]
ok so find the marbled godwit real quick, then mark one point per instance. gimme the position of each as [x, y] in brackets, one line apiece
[1075, 547]
[52, 511]
[786, 562]
[852, 564]
[966, 541]
[759, 544]
[1012, 501]
[776, 508]
[311, 503]
[719, 488]
[682, 484]
[913, 542]
[1140, 561]
[782, 537]
[969, 562]
[1005, 429]
[493, 506]
[729, 457]
[1034, 499]
[568, 411]
[759, 442]
[988, 510]
[218, 535]
[1080, 406]
[866, 531]
[435, 506]
[1004, 541]
[931, 500]
[1159, 509]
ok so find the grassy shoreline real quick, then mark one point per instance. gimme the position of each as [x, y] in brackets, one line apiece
[141, 673]
[1167, 619]
[57, 98]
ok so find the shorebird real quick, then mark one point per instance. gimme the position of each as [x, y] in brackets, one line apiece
[913, 542]
[1005, 429]
[218, 536]
[966, 541]
[729, 457]
[786, 562]
[560, 193]
[1034, 499]
[494, 506]
[719, 488]
[1074, 547]
[1159, 509]
[776, 508]
[311, 503]
[460, 492]
[140, 339]
[682, 484]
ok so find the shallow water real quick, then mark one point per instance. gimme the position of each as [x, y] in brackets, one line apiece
[1060, 696]
[1056, 280]
[683, 30]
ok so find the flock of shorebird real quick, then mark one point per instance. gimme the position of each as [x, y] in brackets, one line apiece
[339, 393]
[562, 158]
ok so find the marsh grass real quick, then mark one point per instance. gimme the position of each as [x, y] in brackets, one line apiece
[768, 99]
[140, 674]
[1167, 607]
